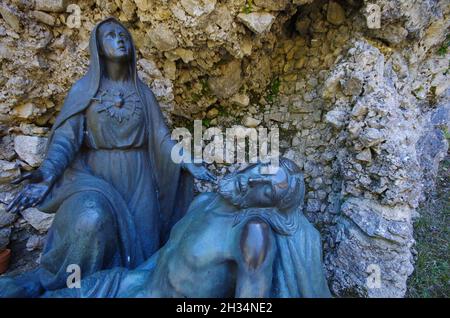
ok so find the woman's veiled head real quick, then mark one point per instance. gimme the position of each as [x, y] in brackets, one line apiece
[114, 41]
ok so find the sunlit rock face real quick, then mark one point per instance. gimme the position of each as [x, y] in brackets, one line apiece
[361, 110]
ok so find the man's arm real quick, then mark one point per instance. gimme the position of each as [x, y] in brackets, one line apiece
[255, 259]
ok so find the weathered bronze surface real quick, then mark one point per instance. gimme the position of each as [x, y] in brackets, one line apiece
[108, 173]
[249, 240]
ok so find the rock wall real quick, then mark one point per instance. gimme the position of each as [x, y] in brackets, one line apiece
[363, 110]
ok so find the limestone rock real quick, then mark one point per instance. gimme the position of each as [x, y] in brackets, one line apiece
[371, 137]
[389, 234]
[365, 155]
[128, 10]
[240, 100]
[313, 205]
[163, 89]
[352, 86]
[360, 109]
[35, 242]
[332, 83]
[7, 148]
[4, 237]
[229, 82]
[33, 130]
[336, 118]
[6, 219]
[30, 149]
[25, 110]
[150, 68]
[393, 34]
[51, 5]
[335, 13]
[8, 171]
[272, 5]
[198, 8]
[301, 2]
[212, 113]
[186, 55]
[296, 141]
[10, 17]
[302, 25]
[170, 69]
[162, 38]
[5, 52]
[39, 220]
[432, 145]
[143, 5]
[251, 122]
[44, 17]
[258, 22]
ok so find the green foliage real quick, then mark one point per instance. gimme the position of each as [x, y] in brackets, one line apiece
[195, 97]
[205, 87]
[223, 112]
[205, 90]
[431, 277]
[248, 7]
[442, 50]
[446, 133]
[274, 90]
[206, 122]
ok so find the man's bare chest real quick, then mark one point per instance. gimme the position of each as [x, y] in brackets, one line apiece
[209, 240]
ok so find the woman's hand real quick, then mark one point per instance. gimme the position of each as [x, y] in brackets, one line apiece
[31, 194]
[200, 172]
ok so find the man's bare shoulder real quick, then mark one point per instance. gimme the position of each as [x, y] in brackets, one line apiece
[205, 197]
[202, 201]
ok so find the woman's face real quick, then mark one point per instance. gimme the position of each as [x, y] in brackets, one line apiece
[115, 43]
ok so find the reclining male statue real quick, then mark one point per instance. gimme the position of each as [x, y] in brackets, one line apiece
[249, 240]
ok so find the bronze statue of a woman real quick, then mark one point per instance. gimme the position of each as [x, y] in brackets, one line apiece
[108, 173]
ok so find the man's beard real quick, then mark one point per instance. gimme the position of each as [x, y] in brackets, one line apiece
[229, 192]
[281, 223]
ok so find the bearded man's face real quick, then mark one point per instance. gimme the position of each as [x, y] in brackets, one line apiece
[251, 188]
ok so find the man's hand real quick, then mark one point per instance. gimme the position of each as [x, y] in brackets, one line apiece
[200, 172]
